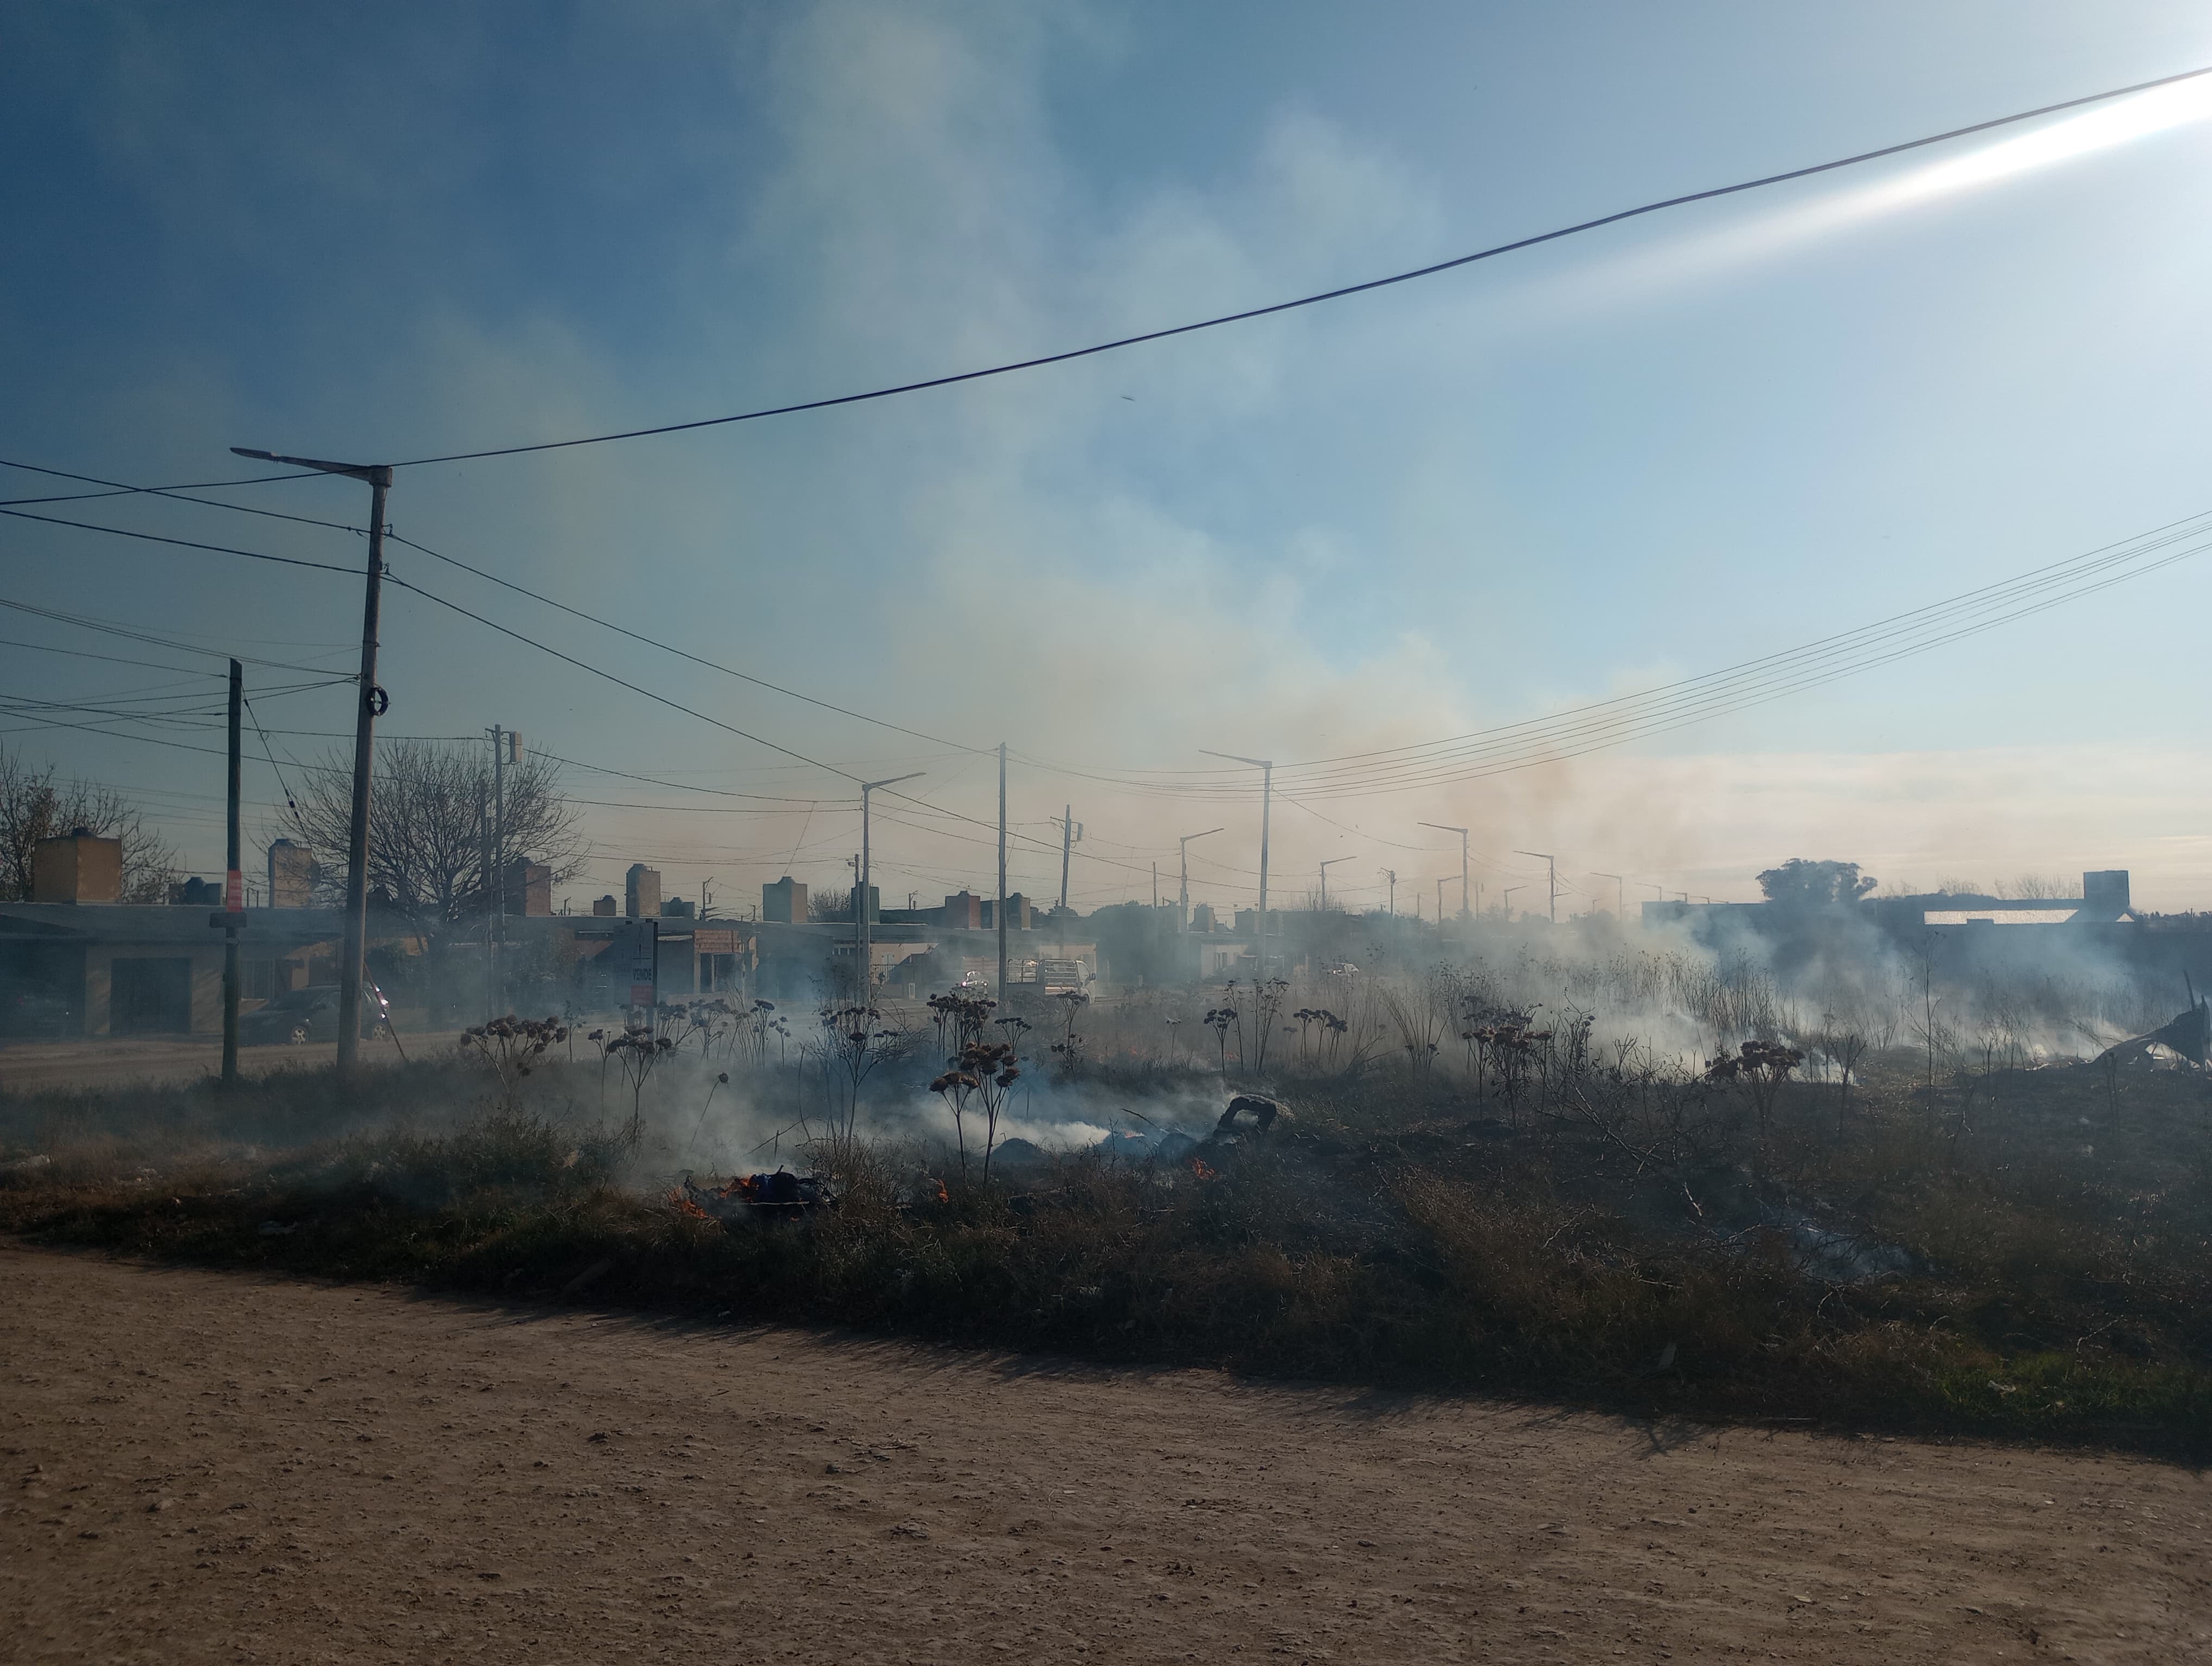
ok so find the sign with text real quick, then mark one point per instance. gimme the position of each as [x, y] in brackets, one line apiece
[634, 956]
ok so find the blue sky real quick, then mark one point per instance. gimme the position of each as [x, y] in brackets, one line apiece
[1581, 471]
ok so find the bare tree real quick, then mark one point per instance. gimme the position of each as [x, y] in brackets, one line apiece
[428, 828]
[35, 805]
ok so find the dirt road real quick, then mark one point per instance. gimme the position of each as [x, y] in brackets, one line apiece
[119, 1061]
[203, 1467]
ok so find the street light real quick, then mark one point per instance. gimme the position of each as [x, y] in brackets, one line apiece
[1462, 831]
[1183, 891]
[369, 706]
[860, 902]
[1507, 904]
[1266, 768]
[1325, 867]
[1619, 893]
[1553, 867]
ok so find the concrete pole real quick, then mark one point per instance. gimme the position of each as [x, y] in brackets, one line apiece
[1002, 873]
[498, 869]
[1552, 868]
[1267, 802]
[372, 702]
[364, 753]
[1183, 891]
[860, 894]
[234, 889]
[1066, 849]
[1266, 769]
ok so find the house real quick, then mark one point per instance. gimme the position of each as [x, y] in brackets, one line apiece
[152, 969]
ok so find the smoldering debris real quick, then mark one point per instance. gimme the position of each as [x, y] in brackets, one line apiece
[2188, 1037]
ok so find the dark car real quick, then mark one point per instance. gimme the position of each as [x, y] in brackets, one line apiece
[32, 1009]
[307, 1015]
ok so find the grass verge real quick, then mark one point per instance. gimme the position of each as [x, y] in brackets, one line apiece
[1417, 1262]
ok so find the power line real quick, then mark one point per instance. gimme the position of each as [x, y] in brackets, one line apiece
[111, 659]
[183, 542]
[1736, 688]
[660, 699]
[1315, 300]
[491, 578]
[141, 491]
[175, 494]
[696, 659]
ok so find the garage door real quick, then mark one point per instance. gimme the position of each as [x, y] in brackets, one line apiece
[151, 997]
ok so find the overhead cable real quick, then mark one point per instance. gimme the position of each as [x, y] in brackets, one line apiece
[1337, 293]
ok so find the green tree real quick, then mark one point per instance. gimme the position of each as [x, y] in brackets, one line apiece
[1804, 884]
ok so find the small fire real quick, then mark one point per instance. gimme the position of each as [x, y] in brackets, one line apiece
[684, 1205]
[1198, 1167]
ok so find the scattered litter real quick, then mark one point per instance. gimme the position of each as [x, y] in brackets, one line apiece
[781, 1196]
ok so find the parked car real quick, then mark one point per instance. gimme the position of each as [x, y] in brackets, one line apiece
[32, 1009]
[299, 1016]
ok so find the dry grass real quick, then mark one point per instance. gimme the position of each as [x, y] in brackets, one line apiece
[1390, 1238]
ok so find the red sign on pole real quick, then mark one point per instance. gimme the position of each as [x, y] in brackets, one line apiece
[234, 892]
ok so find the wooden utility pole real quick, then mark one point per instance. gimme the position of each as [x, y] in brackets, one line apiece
[372, 703]
[234, 890]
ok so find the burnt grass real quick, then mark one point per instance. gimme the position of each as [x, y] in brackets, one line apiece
[2028, 1257]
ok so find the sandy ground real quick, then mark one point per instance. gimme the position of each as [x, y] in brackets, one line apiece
[203, 1467]
[115, 1061]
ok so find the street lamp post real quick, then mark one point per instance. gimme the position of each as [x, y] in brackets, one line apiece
[368, 707]
[1183, 891]
[1619, 894]
[1462, 831]
[1325, 867]
[1266, 769]
[860, 947]
[1553, 869]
